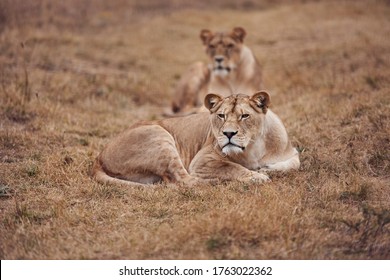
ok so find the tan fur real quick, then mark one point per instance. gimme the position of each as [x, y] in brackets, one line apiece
[197, 148]
[232, 68]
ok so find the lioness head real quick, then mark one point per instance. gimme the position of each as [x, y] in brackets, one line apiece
[223, 48]
[237, 120]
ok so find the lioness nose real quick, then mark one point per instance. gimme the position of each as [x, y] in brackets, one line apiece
[230, 134]
[218, 59]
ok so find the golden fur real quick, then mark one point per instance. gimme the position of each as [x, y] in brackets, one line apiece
[232, 69]
[237, 139]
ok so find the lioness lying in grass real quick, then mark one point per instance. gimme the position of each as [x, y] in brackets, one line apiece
[238, 139]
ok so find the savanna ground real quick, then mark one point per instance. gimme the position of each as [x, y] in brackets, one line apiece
[73, 74]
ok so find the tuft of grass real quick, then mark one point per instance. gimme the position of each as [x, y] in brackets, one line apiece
[359, 195]
[216, 243]
[372, 82]
[5, 191]
[379, 161]
[83, 141]
[108, 192]
[23, 214]
[32, 170]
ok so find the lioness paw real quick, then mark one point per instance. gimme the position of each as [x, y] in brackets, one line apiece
[260, 178]
[191, 182]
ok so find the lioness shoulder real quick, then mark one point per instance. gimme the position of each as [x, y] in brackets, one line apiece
[237, 139]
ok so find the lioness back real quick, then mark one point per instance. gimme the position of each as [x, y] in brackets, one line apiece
[190, 134]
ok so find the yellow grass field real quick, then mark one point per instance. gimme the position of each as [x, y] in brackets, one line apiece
[73, 74]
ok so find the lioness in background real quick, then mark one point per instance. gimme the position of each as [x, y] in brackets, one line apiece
[232, 69]
[237, 139]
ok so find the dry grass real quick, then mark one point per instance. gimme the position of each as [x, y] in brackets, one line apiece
[69, 83]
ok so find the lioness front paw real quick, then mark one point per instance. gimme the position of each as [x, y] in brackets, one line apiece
[263, 177]
[191, 182]
[260, 177]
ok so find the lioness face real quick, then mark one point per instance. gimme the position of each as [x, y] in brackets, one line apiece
[237, 120]
[223, 49]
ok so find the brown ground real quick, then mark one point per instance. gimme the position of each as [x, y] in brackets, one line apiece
[73, 75]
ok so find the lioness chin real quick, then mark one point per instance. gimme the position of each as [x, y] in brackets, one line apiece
[232, 68]
[237, 140]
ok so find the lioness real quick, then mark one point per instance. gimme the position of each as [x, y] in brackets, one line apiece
[232, 68]
[237, 140]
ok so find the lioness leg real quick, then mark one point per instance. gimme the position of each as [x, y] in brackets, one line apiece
[286, 165]
[209, 165]
[145, 154]
[191, 89]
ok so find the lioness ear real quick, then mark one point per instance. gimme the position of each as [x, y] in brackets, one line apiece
[211, 100]
[205, 36]
[260, 101]
[239, 34]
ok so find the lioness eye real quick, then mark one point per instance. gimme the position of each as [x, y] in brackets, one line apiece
[244, 116]
[230, 46]
[221, 116]
[211, 46]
